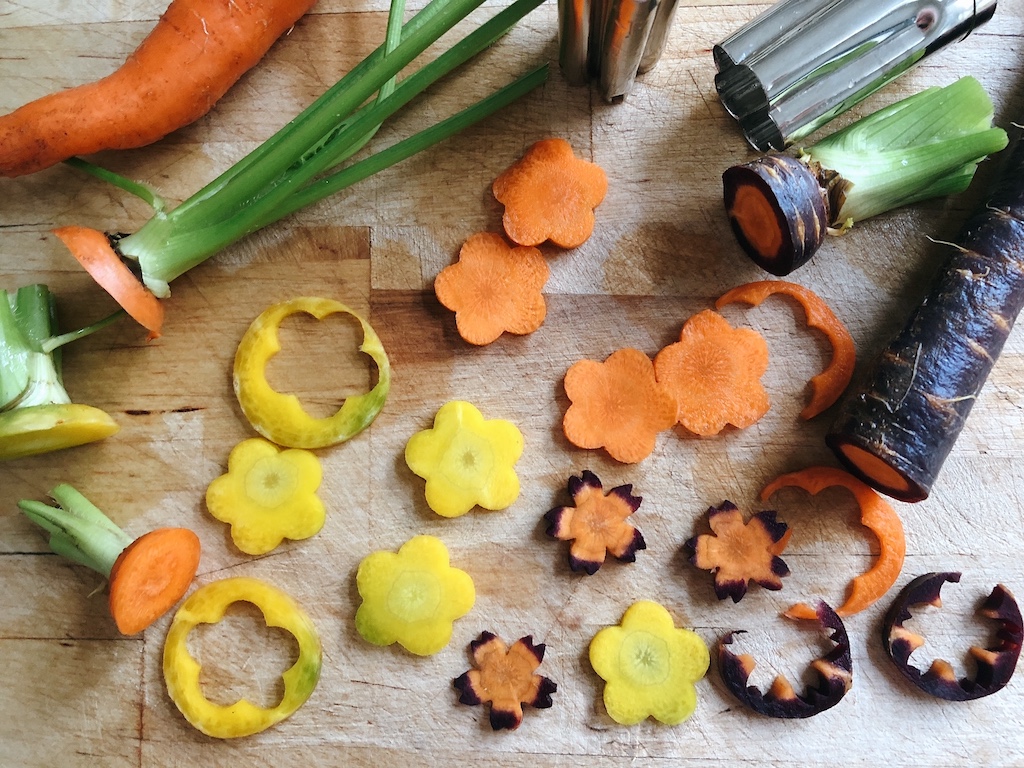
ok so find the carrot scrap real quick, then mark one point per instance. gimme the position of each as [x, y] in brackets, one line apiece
[550, 194]
[714, 374]
[876, 514]
[506, 677]
[93, 251]
[494, 288]
[617, 405]
[195, 53]
[737, 552]
[834, 672]
[829, 385]
[596, 523]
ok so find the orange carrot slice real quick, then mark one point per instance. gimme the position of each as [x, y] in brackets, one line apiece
[617, 405]
[714, 373]
[494, 288]
[93, 251]
[151, 575]
[827, 386]
[876, 515]
[550, 194]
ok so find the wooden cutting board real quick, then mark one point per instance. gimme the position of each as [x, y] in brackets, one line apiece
[75, 693]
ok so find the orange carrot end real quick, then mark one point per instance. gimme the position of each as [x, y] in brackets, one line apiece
[93, 251]
[150, 576]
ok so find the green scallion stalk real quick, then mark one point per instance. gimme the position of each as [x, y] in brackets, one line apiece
[303, 162]
[929, 144]
[36, 413]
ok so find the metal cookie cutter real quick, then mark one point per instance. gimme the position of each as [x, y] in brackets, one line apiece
[802, 62]
[612, 41]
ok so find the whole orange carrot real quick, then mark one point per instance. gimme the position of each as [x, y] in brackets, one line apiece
[197, 50]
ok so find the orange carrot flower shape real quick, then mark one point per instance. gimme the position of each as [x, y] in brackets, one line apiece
[714, 373]
[550, 194]
[737, 552]
[596, 524]
[494, 288]
[617, 405]
[505, 677]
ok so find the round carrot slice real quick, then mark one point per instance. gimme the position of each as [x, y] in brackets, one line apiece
[876, 515]
[93, 251]
[151, 575]
[827, 386]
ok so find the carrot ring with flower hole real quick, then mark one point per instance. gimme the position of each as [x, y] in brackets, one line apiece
[995, 664]
[876, 515]
[181, 671]
[835, 674]
[827, 386]
[280, 417]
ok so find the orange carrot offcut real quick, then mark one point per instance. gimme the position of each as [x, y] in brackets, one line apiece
[150, 576]
[550, 194]
[92, 249]
[829, 385]
[714, 373]
[196, 52]
[494, 288]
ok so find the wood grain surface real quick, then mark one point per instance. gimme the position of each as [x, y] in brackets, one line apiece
[73, 692]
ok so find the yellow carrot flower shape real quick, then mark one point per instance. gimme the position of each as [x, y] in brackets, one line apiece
[412, 597]
[267, 495]
[650, 666]
[466, 460]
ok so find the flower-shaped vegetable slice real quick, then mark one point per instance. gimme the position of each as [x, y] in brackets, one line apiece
[995, 665]
[466, 460]
[412, 597]
[596, 523]
[505, 677]
[737, 552]
[267, 495]
[650, 667]
[280, 417]
[494, 288]
[550, 194]
[714, 373]
[835, 674]
[617, 405]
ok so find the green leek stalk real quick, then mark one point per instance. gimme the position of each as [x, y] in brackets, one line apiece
[927, 145]
[36, 413]
[302, 163]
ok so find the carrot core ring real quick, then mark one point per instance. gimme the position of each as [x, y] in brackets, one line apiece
[181, 671]
[281, 418]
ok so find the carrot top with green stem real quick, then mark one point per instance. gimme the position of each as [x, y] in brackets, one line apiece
[147, 576]
[36, 412]
[302, 163]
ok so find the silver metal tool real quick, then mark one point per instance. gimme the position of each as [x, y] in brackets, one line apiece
[802, 62]
[611, 41]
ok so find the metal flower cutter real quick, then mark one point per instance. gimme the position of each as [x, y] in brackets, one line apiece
[612, 41]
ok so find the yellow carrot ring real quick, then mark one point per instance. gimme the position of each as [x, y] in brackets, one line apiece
[281, 418]
[181, 672]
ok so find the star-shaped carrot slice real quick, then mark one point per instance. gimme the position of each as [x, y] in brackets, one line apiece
[738, 553]
[506, 678]
[596, 524]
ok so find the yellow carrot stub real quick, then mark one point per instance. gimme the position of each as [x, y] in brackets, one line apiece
[280, 417]
[181, 670]
[267, 495]
[412, 597]
[466, 460]
[649, 666]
